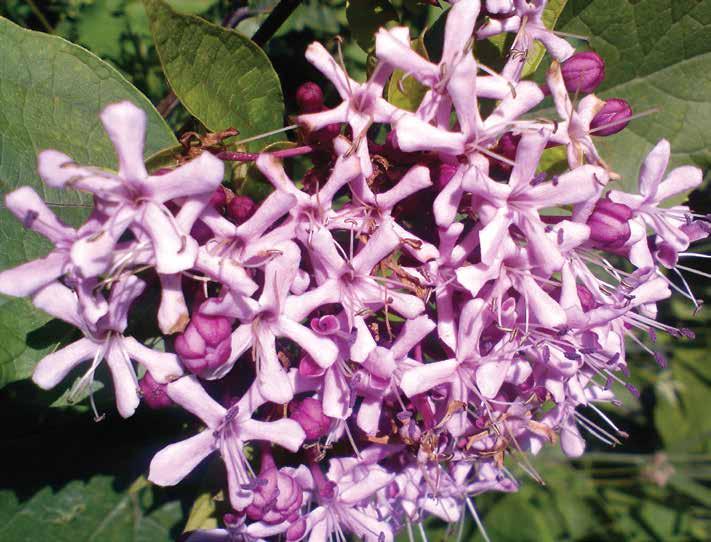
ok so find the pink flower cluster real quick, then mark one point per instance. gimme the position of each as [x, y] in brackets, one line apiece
[400, 320]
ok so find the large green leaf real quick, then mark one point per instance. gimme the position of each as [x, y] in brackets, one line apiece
[658, 55]
[91, 510]
[365, 17]
[51, 93]
[221, 77]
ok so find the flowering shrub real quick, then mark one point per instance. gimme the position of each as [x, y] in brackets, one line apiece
[368, 345]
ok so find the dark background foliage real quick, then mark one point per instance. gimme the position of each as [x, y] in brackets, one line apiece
[65, 477]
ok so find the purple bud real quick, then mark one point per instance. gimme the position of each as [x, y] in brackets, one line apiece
[205, 344]
[219, 198]
[154, 394]
[609, 224]
[309, 97]
[309, 415]
[213, 329]
[241, 208]
[613, 116]
[583, 72]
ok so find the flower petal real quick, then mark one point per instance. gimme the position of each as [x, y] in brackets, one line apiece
[175, 462]
[52, 369]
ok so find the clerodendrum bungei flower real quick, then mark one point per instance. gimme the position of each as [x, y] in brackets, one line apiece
[400, 319]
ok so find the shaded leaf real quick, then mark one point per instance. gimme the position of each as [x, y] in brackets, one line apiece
[366, 16]
[221, 77]
[658, 55]
[51, 93]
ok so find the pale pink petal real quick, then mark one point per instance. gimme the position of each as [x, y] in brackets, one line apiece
[189, 394]
[27, 278]
[271, 209]
[316, 121]
[416, 179]
[175, 251]
[321, 349]
[175, 462]
[653, 168]
[272, 379]
[59, 301]
[425, 377]
[163, 366]
[317, 55]
[224, 270]
[576, 186]
[52, 369]
[378, 247]
[284, 432]
[336, 395]
[368, 417]
[172, 311]
[400, 55]
[126, 125]
[124, 379]
[544, 308]
[411, 334]
[34, 214]
[458, 30]
[679, 182]
[414, 134]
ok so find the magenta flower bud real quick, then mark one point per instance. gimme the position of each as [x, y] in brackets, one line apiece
[219, 198]
[583, 72]
[309, 97]
[205, 344]
[609, 224]
[612, 118]
[277, 496]
[309, 415]
[154, 394]
[241, 208]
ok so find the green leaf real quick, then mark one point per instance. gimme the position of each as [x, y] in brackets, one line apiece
[51, 94]
[202, 514]
[221, 77]
[366, 16]
[682, 424]
[26, 336]
[658, 55]
[407, 92]
[92, 510]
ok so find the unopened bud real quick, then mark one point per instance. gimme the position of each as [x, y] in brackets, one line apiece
[154, 394]
[309, 98]
[609, 224]
[583, 72]
[309, 415]
[241, 208]
[205, 344]
[612, 118]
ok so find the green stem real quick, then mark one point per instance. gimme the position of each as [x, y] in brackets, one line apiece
[40, 16]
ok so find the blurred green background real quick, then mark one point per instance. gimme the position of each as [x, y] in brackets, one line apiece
[66, 478]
